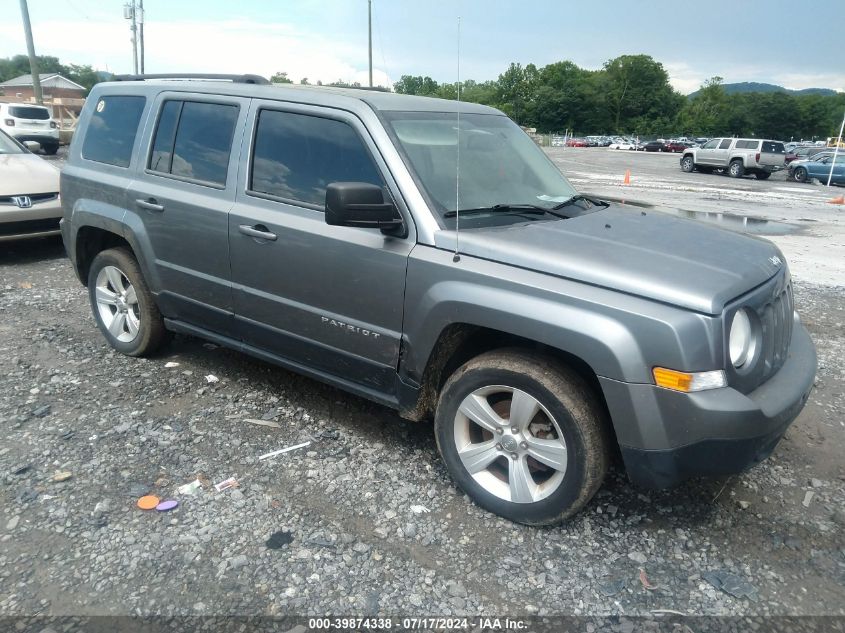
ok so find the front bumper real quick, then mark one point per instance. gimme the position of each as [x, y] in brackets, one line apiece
[40, 220]
[666, 436]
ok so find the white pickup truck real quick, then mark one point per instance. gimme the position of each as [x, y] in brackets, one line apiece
[739, 156]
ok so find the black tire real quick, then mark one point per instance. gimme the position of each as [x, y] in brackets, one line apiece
[687, 164]
[573, 406]
[800, 174]
[50, 149]
[762, 175]
[736, 169]
[150, 331]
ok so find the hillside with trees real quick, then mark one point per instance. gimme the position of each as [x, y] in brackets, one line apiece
[632, 95]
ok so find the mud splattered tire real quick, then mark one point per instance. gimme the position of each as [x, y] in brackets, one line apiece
[523, 435]
[687, 164]
[799, 175]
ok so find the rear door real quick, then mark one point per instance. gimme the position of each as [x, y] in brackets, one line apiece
[182, 196]
[325, 298]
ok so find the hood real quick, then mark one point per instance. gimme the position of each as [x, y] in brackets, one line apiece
[653, 255]
[27, 174]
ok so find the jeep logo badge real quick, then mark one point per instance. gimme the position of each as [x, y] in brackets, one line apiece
[775, 260]
[24, 202]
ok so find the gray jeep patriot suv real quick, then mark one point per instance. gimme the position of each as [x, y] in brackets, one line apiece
[425, 254]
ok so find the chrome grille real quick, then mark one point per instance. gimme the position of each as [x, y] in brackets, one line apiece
[35, 197]
[776, 321]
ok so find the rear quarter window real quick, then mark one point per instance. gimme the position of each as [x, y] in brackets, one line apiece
[773, 147]
[112, 129]
[28, 112]
[747, 144]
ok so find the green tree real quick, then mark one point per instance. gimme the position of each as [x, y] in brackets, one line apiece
[416, 85]
[707, 113]
[280, 78]
[635, 88]
[516, 90]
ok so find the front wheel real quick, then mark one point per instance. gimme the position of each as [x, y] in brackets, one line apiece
[800, 174]
[123, 304]
[523, 436]
[687, 164]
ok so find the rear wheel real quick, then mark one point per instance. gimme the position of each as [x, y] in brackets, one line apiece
[687, 164]
[762, 175]
[736, 169]
[123, 305]
[523, 436]
[800, 174]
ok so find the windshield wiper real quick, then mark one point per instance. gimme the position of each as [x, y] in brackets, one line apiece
[578, 197]
[533, 209]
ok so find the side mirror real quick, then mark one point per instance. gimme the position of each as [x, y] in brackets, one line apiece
[32, 146]
[362, 205]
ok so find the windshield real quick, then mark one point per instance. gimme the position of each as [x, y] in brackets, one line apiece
[499, 164]
[8, 146]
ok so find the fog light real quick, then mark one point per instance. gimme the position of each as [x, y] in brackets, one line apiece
[689, 381]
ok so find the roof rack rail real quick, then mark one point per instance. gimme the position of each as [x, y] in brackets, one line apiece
[238, 79]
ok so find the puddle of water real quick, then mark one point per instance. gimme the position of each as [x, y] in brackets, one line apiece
[739, 223]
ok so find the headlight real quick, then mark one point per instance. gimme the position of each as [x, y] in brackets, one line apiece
[741, 340]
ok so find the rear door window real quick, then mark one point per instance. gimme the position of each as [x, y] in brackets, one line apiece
[24, 112]
[725, 144]
[296, 156]
[193, 140]
[112, 129]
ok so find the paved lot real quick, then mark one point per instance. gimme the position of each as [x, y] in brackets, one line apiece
[351, 541]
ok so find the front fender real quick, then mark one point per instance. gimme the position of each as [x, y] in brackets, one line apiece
[618, 335]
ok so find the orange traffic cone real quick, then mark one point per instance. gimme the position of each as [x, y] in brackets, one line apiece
[839, 200]
[627, 180]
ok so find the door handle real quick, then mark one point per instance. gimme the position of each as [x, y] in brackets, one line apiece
[259, 230]
[150, 204]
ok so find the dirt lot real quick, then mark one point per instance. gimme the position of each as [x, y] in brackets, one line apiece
[351, 535]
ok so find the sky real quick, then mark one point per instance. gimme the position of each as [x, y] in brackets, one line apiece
[327, 39]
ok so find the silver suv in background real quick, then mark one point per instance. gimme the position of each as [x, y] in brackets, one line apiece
[26, 122]
[736, 156]
[318, 228]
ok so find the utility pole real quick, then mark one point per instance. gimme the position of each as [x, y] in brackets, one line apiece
[129, 14]
[30, 49]
[141, 31]
[370, 21]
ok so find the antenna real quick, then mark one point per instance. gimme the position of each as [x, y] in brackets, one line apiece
[457, 257]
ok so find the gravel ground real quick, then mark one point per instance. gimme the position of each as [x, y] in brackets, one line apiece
[364, 520]
[348, 539]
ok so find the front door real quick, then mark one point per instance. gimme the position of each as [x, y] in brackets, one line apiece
[182, 195]
[324, 298]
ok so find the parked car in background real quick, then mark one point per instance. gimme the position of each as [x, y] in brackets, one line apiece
[622, 145]
[26, 122]
[29, 192]
[576, 142]
[674, 146]
[819, 167]
[828, 153]
[737, 156]
[653, 146]
[804, 152]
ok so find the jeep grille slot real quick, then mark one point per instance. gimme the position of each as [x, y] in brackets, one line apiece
[776, 321]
